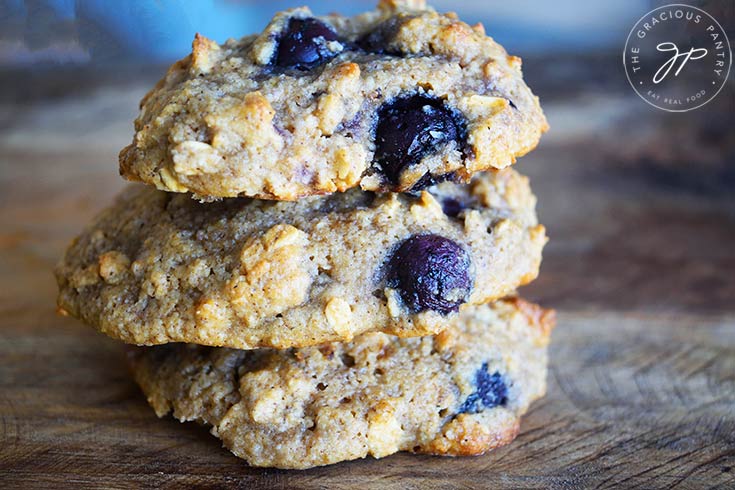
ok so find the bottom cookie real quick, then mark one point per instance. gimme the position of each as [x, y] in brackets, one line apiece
[461, 392]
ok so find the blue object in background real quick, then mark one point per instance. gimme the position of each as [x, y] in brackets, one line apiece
[104, 31]
[160, 30]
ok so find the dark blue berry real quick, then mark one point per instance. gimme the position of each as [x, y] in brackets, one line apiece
[304, 44]
[431, 273]
[376, 40]
[452, 207]
[491, 392]
[411, 128]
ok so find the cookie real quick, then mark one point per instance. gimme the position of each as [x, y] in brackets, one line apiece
[158, 267]
[461, 392]
[393, 99]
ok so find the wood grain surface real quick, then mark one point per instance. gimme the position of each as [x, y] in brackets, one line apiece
[641, 267]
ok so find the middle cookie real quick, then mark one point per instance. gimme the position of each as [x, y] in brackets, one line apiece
[157, 267]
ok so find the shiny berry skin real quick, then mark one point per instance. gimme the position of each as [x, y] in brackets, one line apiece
[304, 44]
[411, 128]
[431, 273]
[491, 392]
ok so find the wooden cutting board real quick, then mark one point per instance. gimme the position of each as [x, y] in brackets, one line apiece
[641, 267]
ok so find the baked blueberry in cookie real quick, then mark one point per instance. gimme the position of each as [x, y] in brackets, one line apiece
[431, 273]
[393, 99]
[377, 40]
[452, 207]
[304, 44]
[409, 128]
[491, 392]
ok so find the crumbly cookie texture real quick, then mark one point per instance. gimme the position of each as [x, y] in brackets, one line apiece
[158, 267]
[461, 392]
[320, 105]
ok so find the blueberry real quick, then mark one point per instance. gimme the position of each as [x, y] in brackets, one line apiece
[491, 392]
[452, 207]
[411, 128]
[376, 40]
[304, 44]
[431, 273]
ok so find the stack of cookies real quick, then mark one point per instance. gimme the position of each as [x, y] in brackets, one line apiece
[319, 268]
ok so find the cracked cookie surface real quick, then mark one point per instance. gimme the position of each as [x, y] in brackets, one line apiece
[461, 392]
[158, 267]
[387, 100]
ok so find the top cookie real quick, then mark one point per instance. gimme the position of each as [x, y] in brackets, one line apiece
[390, 100]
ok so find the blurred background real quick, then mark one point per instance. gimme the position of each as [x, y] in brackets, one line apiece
[89, 31]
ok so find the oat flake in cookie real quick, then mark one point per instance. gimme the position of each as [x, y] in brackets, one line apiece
[158, 267]
[393, 99]
[461, 392]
